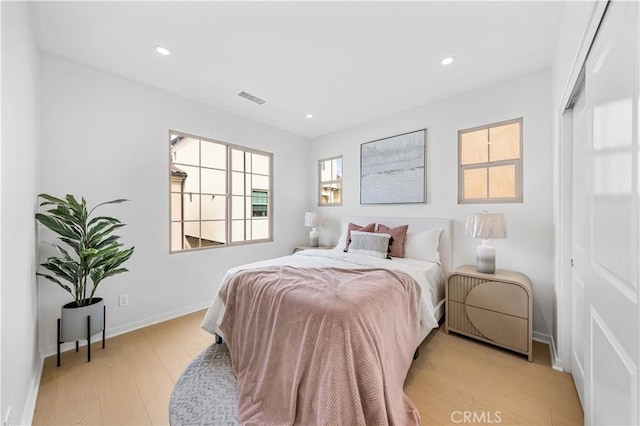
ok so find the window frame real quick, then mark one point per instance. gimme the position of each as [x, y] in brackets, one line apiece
[518, 163]
[338, 181]
[228, 195]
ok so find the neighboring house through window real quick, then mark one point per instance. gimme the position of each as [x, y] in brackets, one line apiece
[330, 181]
[260, 203]
[220, 193]
[490, 163]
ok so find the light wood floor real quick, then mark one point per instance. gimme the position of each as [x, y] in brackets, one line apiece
[455, 374]
[130, 381]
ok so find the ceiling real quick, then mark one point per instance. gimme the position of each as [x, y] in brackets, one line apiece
[344, 62]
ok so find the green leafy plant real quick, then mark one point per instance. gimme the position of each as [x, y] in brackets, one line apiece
[98, 253]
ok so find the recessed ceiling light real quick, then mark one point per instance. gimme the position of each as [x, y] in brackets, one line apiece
[448, 60]
[162, 50]
[309, 115]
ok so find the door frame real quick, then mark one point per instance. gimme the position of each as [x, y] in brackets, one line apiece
[561, 349]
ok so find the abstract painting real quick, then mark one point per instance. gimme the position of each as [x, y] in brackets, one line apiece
[392, 170]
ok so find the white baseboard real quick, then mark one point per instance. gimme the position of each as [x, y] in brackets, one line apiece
[125, 328]
[32, 395]
[556, 363]
[541, 337]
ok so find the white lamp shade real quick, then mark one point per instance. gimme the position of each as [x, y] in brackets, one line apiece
[311, 219]
[487, 226]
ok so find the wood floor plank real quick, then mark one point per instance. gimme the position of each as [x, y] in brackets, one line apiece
[120, 400]
[152, 378]
[130, 381]
[88, 414]
[434, 402]
[141, 420]
[193, 340]
[77, 398]
[560, 419]
[510, 411]
[169, 350]
[45, 411]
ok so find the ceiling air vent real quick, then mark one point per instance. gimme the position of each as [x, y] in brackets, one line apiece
[250, 97]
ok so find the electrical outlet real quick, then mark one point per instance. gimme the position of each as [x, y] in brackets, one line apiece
[123, 300]
[7, 418]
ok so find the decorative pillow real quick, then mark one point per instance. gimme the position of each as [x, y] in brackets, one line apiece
[423, 245]
[396, 249]
[370, 244]
[353, 227]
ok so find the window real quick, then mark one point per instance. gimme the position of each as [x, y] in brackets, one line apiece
[220, 193]
[330, 181]
[490, 163]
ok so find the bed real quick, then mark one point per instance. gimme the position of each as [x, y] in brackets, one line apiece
[327, 336]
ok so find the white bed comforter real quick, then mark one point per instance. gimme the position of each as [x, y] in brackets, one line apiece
[428, 275]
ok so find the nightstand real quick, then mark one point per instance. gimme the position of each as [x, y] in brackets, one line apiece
[495, 308]
[300, 248]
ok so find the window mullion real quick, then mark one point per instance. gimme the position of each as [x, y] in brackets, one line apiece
[199, 192]
[488, 158]
[244, 192]
[228, 220]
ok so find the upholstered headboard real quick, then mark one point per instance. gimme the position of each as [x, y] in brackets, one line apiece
[416, 224]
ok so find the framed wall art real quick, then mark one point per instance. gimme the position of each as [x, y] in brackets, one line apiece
[392, 170]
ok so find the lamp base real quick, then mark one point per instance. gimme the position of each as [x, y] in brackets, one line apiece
[314, 238]
[486, 258]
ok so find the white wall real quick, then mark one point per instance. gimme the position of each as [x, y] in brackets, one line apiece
[528, 248]
[20, 357]
[106, 137]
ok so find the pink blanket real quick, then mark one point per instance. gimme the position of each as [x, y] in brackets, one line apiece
[322, 346]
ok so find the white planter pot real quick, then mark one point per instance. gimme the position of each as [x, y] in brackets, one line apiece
[73, 320]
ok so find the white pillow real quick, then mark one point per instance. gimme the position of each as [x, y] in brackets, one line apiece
[370, 244]
[342, 240]
[423, 245]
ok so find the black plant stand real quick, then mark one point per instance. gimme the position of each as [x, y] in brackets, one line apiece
[104, 326]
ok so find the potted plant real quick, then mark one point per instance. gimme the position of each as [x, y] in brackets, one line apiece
[96, 254]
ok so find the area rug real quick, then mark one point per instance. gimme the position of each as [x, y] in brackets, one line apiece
[207, 391]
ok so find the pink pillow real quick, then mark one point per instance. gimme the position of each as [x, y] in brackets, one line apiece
[396, 249]
[353, 227]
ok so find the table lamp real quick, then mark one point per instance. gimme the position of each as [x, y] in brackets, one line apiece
[311, 221]
[486, 226]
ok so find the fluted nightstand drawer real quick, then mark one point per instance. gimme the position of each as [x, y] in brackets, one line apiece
[495, 308]
[507, 330]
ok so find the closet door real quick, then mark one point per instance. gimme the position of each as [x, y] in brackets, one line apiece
[605, 240]
[579, 232]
